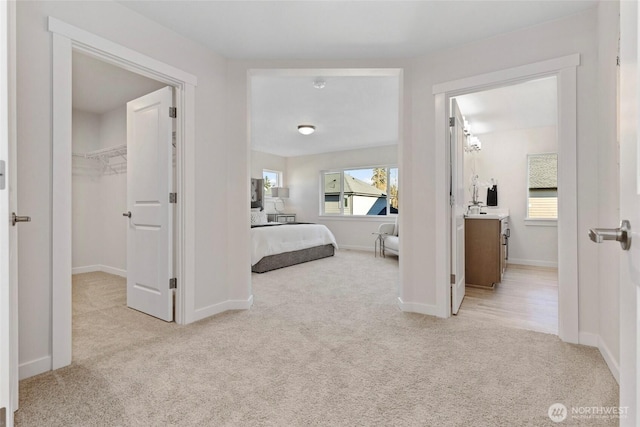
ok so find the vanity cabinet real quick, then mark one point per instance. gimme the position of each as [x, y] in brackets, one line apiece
[485, 251]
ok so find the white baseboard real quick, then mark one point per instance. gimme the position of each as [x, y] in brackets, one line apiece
[587, 338]
[112, 270]
[356, 248]
[212, 310]
[85, 269]
[34, 367]
[413, 307]
[104, 268]
[609, 359]
[532, 262]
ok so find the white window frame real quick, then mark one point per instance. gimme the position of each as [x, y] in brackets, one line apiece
[341, 171]
[280, 180]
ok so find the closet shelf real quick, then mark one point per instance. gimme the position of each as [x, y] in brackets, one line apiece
[113, 160]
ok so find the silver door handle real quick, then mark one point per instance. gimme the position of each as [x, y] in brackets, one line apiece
[621, 234]
[127, 214]
[15, 218]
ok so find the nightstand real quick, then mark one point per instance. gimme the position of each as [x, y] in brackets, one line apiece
[281, 217]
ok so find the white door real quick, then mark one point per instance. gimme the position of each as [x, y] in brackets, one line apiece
[149, 182]
[8, 233]
[629, 210]
[457, 139]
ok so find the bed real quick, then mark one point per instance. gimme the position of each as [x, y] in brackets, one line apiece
[275, 245]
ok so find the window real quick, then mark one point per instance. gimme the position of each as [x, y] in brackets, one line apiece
[271, 179]
[542, 200]
[360, 192]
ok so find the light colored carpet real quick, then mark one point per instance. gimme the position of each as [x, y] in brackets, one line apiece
[324, 344]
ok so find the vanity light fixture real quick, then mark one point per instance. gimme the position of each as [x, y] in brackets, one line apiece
[306, 129]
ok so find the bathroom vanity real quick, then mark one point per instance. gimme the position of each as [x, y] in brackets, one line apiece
[486, 248]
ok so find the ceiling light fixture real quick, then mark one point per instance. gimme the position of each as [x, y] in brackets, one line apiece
[319, 83]
[306, 129]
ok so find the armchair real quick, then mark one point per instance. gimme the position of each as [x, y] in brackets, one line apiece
[389, 232]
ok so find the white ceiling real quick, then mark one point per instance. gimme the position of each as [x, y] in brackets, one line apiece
[99, 87]
[350, 112]
[346, 29]
[523, 106]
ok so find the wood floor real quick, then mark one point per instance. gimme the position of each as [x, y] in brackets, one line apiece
[527, 298]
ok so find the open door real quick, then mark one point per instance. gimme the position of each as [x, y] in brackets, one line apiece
[149, 182]
[457, 139]
[629, 210]
[8, 228]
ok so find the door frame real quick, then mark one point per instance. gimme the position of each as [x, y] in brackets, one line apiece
[66, 39]
[8, 234]
[564, 69]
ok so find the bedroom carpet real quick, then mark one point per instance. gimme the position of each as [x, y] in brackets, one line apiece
[324, 344]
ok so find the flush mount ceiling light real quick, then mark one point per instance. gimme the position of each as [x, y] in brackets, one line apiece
[306, 129]
[319, 83]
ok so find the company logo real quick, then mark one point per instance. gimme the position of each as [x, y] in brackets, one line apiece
[557, 412]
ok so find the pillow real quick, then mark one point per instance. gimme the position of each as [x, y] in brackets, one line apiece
[258, 218]
[396, 228]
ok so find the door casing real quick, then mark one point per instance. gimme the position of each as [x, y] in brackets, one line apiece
[564, 68]
[66, 39]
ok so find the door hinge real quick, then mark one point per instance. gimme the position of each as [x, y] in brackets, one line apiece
[453, 279]
[173, 112]
[452, 121]
[173, 197]
[173, 283]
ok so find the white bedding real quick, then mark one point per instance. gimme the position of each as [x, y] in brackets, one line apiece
[278, 239]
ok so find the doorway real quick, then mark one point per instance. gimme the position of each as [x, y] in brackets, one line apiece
[564, 68]
[510, 193]
[100, 294]
[66, 40]
[358, 137]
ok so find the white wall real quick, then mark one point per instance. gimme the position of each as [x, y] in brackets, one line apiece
[86, 191]
[222, 252]
[575, 34]
[113, 195]
[304, 192]
[504, 158]
[418, 160]
[114, 22]
[99, 229]
[261, 161]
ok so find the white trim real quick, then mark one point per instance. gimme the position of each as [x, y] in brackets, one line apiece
[212, 310]
[67, 38]
[564, 68]
[119, 55]
[99, 267]
[505, 76]
[86, 269]
[374, 218]
[532, 262]
[34, 367]
[61, 245]
[9, 371]
[442, 209]
[613, 365]
[356, 248]
[539, 222]
[413, 307]
[587, 338]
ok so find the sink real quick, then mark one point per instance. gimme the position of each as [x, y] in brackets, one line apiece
[489, 215]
